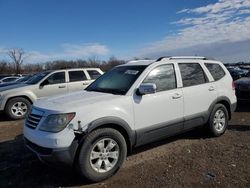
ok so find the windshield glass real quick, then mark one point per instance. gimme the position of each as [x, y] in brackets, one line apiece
[24, 79]
[38, 77]
[118, 80]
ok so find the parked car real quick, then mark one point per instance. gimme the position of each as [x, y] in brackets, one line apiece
[8, 79]
[18, 81]
[16, 100]
[237, 73]
[131, 105]
[243, 88]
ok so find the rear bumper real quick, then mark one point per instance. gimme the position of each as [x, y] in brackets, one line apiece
[233, 107]
[58, 156]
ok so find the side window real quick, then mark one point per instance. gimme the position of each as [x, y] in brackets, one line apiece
[163, 76]
[75, 76]
[56, 78]
[192, 74]
[94, 74]
[216, 70]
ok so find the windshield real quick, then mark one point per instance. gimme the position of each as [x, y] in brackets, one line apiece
[24, 79]
[118, 80]
[38, 77]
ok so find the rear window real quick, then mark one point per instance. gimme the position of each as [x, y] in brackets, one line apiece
[94, 74]
[192, 74]
[75, 76]
[216, 70]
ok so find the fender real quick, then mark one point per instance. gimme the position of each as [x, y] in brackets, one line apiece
[116, 123]
[230, 107]
[29, 94]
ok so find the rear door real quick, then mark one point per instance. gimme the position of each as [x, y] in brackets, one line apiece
[198, 94]
[93, 75]
[77, 80]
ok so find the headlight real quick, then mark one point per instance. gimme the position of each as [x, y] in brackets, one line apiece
[56, 122]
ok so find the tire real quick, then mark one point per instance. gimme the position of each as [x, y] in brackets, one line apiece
[91, 165]
[218, 120]
[17, 108]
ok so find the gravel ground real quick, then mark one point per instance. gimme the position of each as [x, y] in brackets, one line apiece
[189, 160]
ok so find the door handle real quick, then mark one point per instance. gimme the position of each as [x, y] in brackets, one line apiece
[61, 86]
[176, 96]
[211, 88]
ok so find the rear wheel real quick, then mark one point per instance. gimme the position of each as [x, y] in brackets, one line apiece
[17, 108]
[101, 154]
[218, 120]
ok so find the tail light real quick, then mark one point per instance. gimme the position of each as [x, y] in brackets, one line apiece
[233, 85]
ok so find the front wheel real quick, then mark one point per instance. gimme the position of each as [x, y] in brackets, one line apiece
[218, 120]
[101, 154]
[17, 108]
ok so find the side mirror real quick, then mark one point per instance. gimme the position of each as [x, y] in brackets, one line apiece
[147, 88]
[45, 82]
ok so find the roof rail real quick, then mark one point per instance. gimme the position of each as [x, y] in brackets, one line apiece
[188, 57]
[161, 58]
[184, 57]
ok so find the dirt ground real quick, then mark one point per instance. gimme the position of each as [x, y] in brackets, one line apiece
[189, 160]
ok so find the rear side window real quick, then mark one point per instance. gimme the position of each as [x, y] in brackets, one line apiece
[192, 74]
[75, 76]
[94, 74]
[216, 70]
[163, 77]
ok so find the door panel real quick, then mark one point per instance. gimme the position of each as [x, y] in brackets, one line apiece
[198, 93]
[159, 114]
[77, 80]
[55, 84]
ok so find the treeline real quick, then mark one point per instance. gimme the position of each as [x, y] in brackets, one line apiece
[9, 68]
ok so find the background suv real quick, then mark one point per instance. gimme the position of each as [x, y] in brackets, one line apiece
[131, 105]
[16, 100]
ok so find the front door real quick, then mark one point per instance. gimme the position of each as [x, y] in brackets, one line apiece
[55, 84]
[160, 114]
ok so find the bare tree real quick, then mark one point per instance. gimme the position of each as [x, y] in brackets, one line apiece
[17, 55]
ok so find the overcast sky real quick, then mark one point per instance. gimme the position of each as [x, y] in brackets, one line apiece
[53, 29]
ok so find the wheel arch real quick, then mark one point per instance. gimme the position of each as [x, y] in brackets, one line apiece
[115, 123]
[226, 102]
[19, 96]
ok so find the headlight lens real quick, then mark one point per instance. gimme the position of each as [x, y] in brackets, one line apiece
[56, 122]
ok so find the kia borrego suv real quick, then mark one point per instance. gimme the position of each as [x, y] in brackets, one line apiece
[131, 105]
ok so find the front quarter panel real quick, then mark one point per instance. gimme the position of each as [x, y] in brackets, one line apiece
[12, 94]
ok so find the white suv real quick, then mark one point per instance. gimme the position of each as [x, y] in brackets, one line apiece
[16, 100]
[131, 105]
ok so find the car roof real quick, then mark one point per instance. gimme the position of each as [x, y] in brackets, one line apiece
[186, 59]
[140, 62]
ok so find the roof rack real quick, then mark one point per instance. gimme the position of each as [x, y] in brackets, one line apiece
[184, 57]
[163, 57]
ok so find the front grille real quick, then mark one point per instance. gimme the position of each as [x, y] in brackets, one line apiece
[32, 120]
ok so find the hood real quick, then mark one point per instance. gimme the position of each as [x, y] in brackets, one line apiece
[8, 84]
[73, 100]
[10, 87]
[243, 81]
